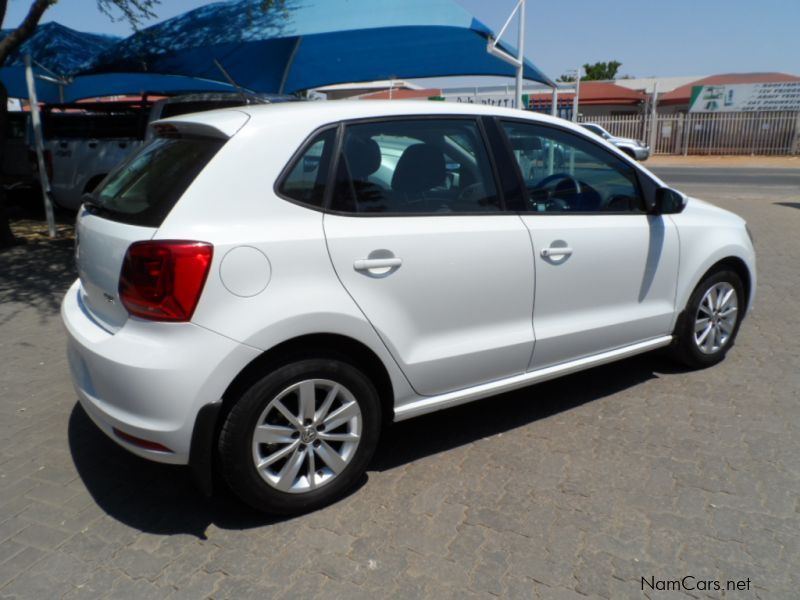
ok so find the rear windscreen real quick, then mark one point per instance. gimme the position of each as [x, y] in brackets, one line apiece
[145, 188]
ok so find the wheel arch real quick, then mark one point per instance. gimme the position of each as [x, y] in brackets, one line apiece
[738, 266]
[732, 262]
[203, 455]
[315, 345]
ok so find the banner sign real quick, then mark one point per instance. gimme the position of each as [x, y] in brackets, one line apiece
[745, 97]
[501, 99]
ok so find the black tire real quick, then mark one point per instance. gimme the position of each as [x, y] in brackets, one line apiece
[236, 436]
[684, 348]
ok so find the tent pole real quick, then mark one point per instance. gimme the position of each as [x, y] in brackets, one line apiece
[288, 67]
[231, 81]
[39, 144]
[517, 61]
[520, 53]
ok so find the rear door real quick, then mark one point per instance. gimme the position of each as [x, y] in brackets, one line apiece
[419, 238]
[129, 207]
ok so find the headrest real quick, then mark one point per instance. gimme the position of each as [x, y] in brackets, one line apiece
[420, 168]
[363, 156]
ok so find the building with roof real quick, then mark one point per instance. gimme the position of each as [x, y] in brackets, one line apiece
[598, 98]
[678, 99]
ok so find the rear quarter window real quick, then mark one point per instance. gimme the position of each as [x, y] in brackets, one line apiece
[146, 187]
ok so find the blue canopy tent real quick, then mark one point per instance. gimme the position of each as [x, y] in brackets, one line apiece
[58, 52]
[301, 45]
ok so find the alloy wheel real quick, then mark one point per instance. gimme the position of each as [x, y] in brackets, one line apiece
[307, 435]
[716, 317]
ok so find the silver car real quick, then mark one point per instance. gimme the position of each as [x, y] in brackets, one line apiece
[634, 148]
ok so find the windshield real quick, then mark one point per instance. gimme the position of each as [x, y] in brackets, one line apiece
[144, 189]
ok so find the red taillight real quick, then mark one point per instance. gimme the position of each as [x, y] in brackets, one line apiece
[162, 280]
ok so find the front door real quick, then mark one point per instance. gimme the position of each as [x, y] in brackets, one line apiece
[418, 236]
[606, 272]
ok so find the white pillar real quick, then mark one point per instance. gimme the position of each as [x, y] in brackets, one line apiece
[520, 53]
[576, 99]
[36, 122]
[654, 119]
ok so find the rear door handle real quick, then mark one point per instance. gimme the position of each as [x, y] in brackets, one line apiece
[367, 264]
[553, 252]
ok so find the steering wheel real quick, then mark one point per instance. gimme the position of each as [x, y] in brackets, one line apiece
[549, 185]
[559, 177]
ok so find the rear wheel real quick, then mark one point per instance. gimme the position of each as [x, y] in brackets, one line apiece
[301, 436]
[708, 326]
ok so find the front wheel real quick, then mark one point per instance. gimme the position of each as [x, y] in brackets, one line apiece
[301, 436]
[708, 326]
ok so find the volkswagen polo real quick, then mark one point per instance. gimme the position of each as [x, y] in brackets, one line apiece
[261, 289]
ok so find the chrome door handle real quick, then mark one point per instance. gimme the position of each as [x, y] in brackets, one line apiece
[366, 264]
[552, 252]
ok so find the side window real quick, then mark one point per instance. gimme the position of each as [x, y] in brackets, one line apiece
[307, 178]
[420, 166]
[564, 172]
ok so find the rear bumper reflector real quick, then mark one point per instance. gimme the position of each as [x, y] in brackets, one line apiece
[145, 444]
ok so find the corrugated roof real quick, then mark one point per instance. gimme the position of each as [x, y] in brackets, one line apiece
[597, 92]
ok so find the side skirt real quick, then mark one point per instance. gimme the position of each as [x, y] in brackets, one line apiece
[434, 403]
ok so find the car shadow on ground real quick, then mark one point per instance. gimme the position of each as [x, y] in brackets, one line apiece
[163, 499]
[36, 274]
[788, 204]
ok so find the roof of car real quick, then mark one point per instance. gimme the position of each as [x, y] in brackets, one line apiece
[314, 114]
[336, 110]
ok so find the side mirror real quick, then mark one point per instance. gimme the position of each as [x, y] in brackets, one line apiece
[668, 202]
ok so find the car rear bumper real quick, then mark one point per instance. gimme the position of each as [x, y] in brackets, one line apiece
[148, 381]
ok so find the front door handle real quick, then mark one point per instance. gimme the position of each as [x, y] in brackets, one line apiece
[554, 251]
[367, 264]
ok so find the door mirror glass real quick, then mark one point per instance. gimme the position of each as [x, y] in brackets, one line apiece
[669, 201]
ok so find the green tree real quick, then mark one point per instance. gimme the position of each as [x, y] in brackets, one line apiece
[601, 71]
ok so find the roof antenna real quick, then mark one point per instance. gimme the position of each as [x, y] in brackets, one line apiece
[232, 82]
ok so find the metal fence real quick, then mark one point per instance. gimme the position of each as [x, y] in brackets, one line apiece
[710, 133]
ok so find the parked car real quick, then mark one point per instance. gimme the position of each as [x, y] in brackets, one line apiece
[634, 148]
[263, 288]
[18, 168]
[86, 141]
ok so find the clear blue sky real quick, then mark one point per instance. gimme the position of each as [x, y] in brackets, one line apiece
[680, 37]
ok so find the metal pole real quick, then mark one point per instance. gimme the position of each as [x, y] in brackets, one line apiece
[520, 53]
[39, 144]
[554, 106]
[654, 119]
[576, 99]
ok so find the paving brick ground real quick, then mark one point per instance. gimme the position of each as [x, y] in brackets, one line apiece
[572, 489]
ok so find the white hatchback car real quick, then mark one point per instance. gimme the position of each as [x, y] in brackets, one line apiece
[262, 288]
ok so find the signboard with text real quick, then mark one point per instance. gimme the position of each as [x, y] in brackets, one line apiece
[745, 97]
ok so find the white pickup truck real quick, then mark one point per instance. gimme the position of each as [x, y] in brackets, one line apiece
[86, 141]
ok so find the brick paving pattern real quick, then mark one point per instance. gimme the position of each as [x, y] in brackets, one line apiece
[571, 489]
